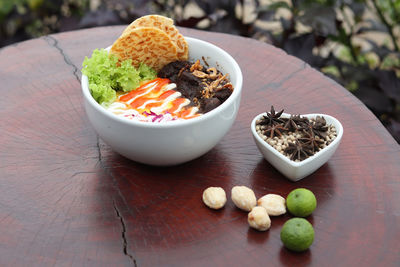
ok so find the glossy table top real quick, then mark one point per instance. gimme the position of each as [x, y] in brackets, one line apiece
[67, 199]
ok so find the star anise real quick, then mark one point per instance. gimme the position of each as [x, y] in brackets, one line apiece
[272, 118]
[311, 140]
[298, 150]
[274, 129]
[294, 122]
[300, 120]
[318, 127]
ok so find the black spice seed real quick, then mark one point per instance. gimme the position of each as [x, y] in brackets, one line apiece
[298, 137]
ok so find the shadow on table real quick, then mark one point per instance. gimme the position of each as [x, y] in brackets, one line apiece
[270, 180]
[257, 237]
[301, 259]
[154, 201]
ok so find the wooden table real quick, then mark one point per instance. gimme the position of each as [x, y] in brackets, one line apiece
[66, 199]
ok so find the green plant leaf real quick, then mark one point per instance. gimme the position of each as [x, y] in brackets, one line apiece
[35, 4]
[301, 47]
[274, 6]
[374, 26]
[374, 99]
[5, 7]
[321, 18]
[389, 83]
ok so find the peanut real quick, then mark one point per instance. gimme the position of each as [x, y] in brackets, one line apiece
[258, 219]
[273, 203]
[243, 197]
[214, 197]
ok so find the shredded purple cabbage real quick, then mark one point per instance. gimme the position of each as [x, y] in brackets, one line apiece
[152, 116]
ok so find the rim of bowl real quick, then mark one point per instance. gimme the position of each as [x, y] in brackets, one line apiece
[236, 92]
[339, 131]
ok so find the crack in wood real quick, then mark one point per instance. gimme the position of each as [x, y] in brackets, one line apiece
[108, 172]
[99, 151]
[56, 45]
[78, 173]
[123, 234]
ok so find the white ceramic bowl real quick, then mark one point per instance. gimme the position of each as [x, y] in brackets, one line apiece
[295, 171]
[175, 142]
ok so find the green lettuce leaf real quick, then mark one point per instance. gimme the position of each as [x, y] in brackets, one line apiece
[102, 93]
[127, 82]
[146, 73]
[105, 77]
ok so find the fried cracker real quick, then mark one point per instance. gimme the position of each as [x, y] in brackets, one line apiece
[149, 45]
[167, 25]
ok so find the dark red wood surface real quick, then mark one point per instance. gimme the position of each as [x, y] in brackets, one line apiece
[66, 199]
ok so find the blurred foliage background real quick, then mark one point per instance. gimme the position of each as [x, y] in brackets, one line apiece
[355, 42]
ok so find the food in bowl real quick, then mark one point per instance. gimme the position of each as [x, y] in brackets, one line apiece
[296, 169]
[146, 75]
[169, 143]
[296, 137]
[205, 87]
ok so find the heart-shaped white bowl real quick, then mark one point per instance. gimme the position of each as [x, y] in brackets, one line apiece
[295, 171]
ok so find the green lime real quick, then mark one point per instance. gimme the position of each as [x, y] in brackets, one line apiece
[301, 202]
[297, 234]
